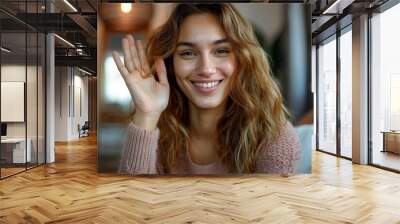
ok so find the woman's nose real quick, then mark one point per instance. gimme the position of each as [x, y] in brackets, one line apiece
[207, 66]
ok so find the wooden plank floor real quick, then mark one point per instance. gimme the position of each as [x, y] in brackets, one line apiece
[71, 191]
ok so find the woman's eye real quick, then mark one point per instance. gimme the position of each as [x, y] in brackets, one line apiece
[222, 51]
[187, 54]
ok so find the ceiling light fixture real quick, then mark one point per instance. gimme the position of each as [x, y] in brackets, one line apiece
[79, 51]
[65, 41]
[126, 7]
[337, 7]
[5, 50]
[70, 5]
[84, 71]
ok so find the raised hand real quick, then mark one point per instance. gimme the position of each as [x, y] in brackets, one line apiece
[149, 95]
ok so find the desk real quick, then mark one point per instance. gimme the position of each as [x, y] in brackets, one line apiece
[391, 141]
[15, 148]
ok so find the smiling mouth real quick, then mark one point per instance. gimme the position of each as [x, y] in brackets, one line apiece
[206, 84]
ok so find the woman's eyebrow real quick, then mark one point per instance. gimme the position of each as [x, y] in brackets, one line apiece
[190, 44]
[225, 40]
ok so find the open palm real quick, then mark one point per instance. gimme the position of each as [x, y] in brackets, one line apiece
[149, 95]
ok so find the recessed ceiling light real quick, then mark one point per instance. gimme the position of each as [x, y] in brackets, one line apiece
[65, 41]
[84, 71]
[337, 7]
[126, 7]
[5, 50]
[70, 5]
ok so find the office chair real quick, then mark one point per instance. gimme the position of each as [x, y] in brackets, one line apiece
[84, 130]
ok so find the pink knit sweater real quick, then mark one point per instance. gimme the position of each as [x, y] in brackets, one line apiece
[140, 155]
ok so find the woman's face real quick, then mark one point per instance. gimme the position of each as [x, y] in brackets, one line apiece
[204, 61]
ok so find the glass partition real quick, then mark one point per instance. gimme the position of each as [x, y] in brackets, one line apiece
[41, 91]
[13, 108]
[346, 93]
[327, 96]
[22, 89]
[31, 99]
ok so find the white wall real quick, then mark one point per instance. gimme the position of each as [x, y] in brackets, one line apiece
[62, 81]
[33, 127]
[79, 117]
[16, 73]
[70, 84]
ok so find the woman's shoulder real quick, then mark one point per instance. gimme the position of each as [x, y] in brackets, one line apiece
[280, 154]
[286, 136]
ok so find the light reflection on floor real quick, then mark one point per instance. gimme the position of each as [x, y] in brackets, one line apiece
[386, 159]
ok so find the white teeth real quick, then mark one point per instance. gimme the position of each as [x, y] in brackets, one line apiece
[206, 84]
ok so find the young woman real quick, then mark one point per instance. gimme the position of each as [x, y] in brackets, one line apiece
[210, 105]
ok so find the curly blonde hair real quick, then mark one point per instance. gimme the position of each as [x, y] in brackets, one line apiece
[255, 111]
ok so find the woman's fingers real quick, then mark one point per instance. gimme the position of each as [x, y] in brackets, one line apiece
[135, 57]
[161, 71]
[143, 59]
[134, 53]
[121, 68]
[127, 55]
[135, 61]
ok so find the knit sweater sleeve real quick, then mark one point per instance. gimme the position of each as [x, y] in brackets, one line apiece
[139, 154]
[281, 155]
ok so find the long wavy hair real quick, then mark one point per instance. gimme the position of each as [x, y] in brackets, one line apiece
[255, 111]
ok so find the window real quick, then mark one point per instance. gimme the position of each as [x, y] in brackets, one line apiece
[385, 88]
